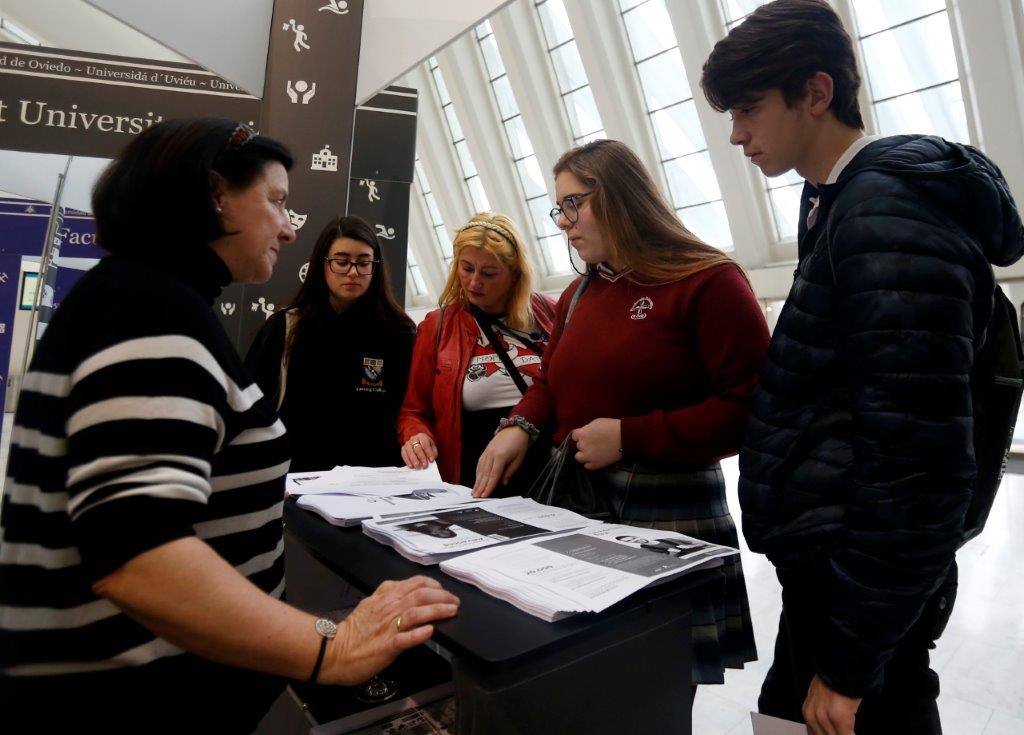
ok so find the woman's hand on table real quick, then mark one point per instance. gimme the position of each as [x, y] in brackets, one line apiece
[500, 460]
[396, 617]
[419, 451]
[599, 443]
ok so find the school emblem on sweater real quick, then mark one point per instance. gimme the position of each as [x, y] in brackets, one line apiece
[640, 308]
[371, 380]
[372, 368]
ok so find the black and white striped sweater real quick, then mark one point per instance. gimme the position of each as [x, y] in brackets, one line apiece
[136, 425]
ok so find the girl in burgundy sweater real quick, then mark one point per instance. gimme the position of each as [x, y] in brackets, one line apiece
[652, 376]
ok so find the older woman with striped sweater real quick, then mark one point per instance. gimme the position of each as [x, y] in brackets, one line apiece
[141, 564]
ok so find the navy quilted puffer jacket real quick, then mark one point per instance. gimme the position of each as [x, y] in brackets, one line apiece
[859, 453]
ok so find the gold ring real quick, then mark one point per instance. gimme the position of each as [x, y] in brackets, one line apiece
[398, 623]
[416, 444]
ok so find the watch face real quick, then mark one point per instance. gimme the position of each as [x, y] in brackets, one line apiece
[326, 628]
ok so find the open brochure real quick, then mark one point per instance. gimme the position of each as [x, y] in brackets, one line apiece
[351, 510]
[429, 537]
[375, 481]
[587, 570]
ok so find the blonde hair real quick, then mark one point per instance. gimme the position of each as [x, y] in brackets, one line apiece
[496, 234]
[645, 233]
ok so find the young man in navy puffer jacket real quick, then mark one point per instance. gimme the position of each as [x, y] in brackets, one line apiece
[858, 461]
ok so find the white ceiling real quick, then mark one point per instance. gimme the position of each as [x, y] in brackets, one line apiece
[229, 37]
[399, 34]
[78, 26]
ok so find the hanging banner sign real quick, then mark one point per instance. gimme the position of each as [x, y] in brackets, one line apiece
[73, 102]
[383, 157]
[308, 106]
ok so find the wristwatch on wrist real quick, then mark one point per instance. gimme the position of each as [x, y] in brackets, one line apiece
[327, 630]
[532, 431]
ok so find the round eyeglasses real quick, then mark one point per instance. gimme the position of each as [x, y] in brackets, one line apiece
[343, 266]
[570, 208]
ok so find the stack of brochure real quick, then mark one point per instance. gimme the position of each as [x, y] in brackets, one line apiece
[346, 480]
[583, 571]
[345, 496]
[351, 510]
[430, 536]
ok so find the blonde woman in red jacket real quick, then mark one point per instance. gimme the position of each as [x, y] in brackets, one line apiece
[460, 385]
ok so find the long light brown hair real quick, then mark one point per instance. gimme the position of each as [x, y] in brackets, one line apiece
[643, 231]
[496, 234]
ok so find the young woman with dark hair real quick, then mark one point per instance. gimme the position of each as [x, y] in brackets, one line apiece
[342, 349]
[141, 567]
[651, 376]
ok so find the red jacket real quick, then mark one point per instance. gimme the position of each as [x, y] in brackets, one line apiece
[433, 400]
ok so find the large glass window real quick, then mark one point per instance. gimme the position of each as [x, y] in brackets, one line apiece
[911, 67]
[415, 285]
[444, 240]
[734, 11]
[577, 96]
[528, 169]
[693, 185]
[472, 180]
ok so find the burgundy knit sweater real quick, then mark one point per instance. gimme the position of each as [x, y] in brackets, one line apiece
[676, 362]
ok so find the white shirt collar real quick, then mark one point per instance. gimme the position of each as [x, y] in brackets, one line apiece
[608, 274]
[844, 160]
[848, 155]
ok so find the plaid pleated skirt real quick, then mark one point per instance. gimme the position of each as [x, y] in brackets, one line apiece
[691, 501]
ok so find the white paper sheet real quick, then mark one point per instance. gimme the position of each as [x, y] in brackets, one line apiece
[351, 510]
[582, 571]
[376, 481]
[765, 725]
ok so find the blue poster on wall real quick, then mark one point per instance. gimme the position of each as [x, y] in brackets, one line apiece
[22, 230]
[23, 227]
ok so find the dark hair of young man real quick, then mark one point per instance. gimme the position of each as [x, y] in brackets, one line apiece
[780, 46]
[313, 298]
[157, 196]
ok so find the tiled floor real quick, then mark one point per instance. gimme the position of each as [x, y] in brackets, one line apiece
[978, 658]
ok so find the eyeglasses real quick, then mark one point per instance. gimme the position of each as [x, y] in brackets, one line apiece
[343, 266]
[570, 208]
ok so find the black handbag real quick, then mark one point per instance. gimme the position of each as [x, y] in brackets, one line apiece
[563, 482]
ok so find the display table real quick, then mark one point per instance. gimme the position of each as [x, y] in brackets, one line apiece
[624, 670]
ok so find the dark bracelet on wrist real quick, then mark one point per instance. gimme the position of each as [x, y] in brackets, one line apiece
[327, 630]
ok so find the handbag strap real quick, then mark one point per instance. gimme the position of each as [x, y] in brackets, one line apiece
[543, 488]
[499, 350]
[290, 318]
[437, 334]
[576, 297]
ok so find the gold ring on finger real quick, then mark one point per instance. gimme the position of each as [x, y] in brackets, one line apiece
[398, 623]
